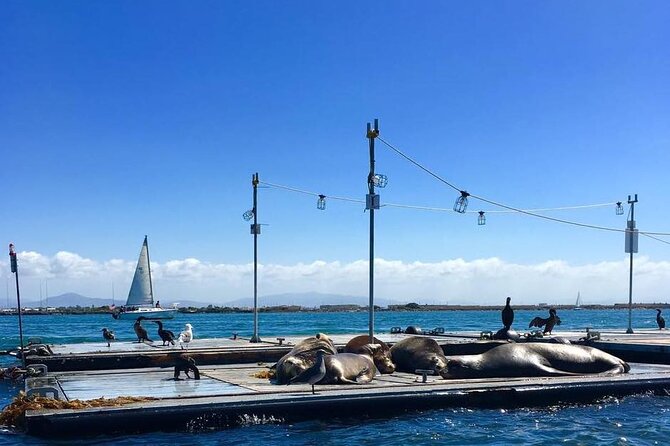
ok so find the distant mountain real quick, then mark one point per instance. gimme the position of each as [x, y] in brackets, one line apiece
[69, 300]
[307, 300]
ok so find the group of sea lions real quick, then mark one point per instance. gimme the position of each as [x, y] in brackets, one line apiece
[315, 360]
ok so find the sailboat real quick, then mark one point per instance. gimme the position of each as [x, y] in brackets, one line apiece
[141, 295]
[578, 304]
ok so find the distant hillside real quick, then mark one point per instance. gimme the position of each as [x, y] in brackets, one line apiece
[69, 300]
[307, 300]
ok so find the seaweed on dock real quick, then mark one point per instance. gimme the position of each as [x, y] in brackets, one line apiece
[13, 413]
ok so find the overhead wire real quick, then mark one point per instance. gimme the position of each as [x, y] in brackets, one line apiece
[504, 206]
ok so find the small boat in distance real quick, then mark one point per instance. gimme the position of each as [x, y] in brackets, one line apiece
[141, 295]
[578, 304]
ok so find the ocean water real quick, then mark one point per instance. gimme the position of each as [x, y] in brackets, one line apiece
[639, 419]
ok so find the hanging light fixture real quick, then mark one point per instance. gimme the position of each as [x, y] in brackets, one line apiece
[462, 202]
[380, 180]
[619, 208]
[481, 220]
[248, 215]
[321, 202]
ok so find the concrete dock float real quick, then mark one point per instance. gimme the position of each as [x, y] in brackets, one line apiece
[648, 346]
[233, 394]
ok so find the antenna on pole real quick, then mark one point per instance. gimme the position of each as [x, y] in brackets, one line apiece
[631, 247]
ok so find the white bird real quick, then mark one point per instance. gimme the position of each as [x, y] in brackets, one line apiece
[186, 336]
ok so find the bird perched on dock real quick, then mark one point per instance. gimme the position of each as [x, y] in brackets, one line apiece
[313, 374]
[185, 364]
[140, 331]
[186, 336]
[659, 320]
[507, 315]
[108, 335]
[548, 323]
[166, 335]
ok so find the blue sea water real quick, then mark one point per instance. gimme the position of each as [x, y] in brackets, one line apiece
[640, 419]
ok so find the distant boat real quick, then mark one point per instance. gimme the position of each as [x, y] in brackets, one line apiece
[141, 295]
[578, 304]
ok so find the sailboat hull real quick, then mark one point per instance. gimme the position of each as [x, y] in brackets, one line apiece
[149, 313]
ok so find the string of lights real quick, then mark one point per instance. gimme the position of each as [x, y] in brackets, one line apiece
[481, 218]
[461, 203]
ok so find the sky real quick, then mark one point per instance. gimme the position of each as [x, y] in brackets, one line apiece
[121, 119]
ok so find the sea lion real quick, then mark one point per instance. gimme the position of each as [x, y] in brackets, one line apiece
[302, 357]
[348, 368]
[506, 334]
[381, 355]
[534, 359]
[417, 353]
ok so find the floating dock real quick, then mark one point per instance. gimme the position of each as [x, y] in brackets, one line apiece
[232, 394]
[647, 346]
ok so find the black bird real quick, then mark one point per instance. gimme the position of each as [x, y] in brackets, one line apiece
[108, 335]
[548, 323]
[659, 320]
[508, 315]
[185, 364]
[313, 374]
[141, 333]
[166, 335]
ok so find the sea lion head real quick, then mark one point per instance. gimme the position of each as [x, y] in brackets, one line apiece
[438, 364]
[381, 357]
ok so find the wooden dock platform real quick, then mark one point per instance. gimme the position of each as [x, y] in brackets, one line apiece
[230, 394]
[648, 346]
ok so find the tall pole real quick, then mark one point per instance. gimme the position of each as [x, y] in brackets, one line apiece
[372, 204]
[632, 247]
[14, 267]
[255, 230]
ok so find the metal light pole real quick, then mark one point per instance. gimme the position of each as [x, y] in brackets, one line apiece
[13, 262]
[372, 203]
[255, 230]
[631, 247]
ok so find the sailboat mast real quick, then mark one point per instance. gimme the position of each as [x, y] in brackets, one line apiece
[151, 286]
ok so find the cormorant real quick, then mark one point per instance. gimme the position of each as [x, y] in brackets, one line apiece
[141, 333]
[659, 320]
[548, 323]
[507, 315]
[165, 335]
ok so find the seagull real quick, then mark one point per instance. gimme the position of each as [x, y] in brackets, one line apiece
[108, 335]
[313, 374]
[141, 333]
[659, 320]
[186, 336]
[166, 335]
[508, 315]
[548, 323]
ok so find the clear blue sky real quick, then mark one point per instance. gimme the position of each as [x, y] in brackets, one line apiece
[127, 118]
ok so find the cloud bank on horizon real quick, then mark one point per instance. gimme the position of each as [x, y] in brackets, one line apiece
[455, 281]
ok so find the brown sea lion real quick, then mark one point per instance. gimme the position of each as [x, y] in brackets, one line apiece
[302, 357]
[418, 353]
[348, 368]
[534, 359]
[381, 355]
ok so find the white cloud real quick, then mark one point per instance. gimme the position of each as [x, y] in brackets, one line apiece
[457, 281]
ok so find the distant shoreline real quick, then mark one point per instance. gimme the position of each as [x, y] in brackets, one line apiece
[411, 307]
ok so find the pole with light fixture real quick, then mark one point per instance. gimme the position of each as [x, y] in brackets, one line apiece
[631, 247]
[255, 230]
[14, 268]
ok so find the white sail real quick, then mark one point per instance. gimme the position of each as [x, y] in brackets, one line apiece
[141, 292]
